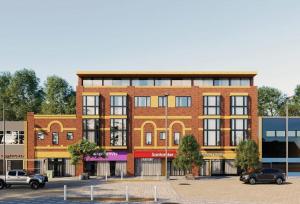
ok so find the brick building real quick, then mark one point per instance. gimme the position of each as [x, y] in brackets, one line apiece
[125, 113]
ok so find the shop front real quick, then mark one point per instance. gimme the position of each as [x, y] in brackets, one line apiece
[152, 162]
[112, 165]
[218, 163]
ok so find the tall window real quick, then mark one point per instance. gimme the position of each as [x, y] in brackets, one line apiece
[212, 105]
[118, 132]
[118, 105]
[148, 138]
[162, 101]
[183, 101]
[162, 135]
[176, 138]
[212, 131]
[55, 138]
[239, 105]
[90, 105]
[239, 131]
[91, 130]
[142, 101]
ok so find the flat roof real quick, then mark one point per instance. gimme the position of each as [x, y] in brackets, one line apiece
[166, 74]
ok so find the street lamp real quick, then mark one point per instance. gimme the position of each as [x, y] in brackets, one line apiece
[4, 161]
[166, 134]
[287, 136]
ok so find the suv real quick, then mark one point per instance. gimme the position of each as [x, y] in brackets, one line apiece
[20, 177]
[264, 176]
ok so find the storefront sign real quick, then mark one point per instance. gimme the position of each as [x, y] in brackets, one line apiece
[154, 154]
[110, 156]
[213, 154]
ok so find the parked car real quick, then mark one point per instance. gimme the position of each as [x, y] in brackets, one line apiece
[20, 177]
[264, 176]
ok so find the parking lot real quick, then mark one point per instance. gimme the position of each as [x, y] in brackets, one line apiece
[203, 190]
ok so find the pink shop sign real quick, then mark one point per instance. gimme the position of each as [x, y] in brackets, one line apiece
[110, 156]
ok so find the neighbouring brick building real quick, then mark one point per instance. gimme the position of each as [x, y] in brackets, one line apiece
[125, 113]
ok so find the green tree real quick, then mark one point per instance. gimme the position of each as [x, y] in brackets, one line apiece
[270, 101]
[23, 94]
[5, 78]
[59, 97]
[247, 156]
[188, 154]
[83, 149]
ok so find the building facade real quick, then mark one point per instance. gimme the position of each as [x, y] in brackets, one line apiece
[127, 114]
[15, 138]
[274, 143]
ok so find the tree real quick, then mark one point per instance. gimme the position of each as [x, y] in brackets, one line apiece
[23, 94]
[5, 78]
[247, 156]
[188, 154]
[81, 150]
[270, 101]
[59, 97]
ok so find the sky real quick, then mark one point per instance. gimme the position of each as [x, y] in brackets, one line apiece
[62, 37]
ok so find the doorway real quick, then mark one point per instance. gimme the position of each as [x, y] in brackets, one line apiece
[58, 166]
[112, 166]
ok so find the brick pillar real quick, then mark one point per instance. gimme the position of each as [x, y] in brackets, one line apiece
[79, 168]
[130, 164]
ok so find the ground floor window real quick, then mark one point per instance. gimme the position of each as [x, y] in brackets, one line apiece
[218, 167]
[103, 168]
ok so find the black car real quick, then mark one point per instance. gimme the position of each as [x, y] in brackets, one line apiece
[264, 176]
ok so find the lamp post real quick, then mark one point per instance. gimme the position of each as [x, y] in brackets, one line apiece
[3, 139]
[166, 135]
[287, 137]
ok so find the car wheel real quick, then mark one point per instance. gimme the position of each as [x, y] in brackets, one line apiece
[8, 185]
[252, 181]
[2, 184]
[34, 185]
[279, 181]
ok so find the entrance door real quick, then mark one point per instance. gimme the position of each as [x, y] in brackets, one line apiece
[91, 168]
[112, 166]
[57, 165]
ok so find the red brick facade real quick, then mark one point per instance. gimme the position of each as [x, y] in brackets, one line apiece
[185, 120]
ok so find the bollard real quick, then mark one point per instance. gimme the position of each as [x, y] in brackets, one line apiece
[92, 192]
[106, 176]
[65, 192]
[126, 195]
[121, 175]
[155, 194]
[157, 176]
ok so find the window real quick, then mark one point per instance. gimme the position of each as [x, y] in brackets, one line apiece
[280, 133]
[240, 82]
[239, 105]
[21, 137]
[270, 133]
[70, 135]
[176, 138]
[55, 138]
[118, 132]
[245, 82]
[162, 82]
[142, 101]
[203, 82]
[292, 134]
[148, 138]
[90, 105]
[211, 105]
[118, 105]
[91, 82]
[183, 101]
[116, 82]
[143, 82]
[221, 82]
[239, 131]
[212, 132]
[162, 135]
[181, 82]
[21, 173]
[40, 136]
[12, 137]
[91, 131]
[162, 101]
[12, 173]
